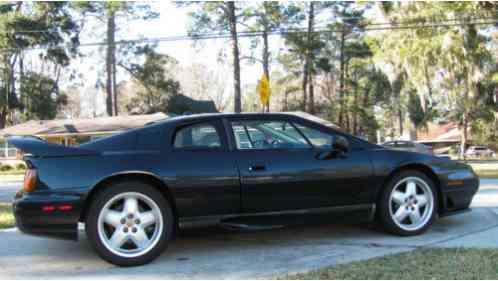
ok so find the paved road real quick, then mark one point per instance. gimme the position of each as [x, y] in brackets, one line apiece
[8, 190]
[216, 253]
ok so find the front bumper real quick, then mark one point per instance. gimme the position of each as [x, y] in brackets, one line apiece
[458, 190]
[32, 219]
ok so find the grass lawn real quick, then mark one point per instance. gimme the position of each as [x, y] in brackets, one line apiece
[6, 216]
[490, 174]
[485, 169]
[11, 177]
[13, 172]
[455, 263]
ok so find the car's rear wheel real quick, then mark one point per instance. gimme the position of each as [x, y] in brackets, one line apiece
[408, 204]
[129, 223]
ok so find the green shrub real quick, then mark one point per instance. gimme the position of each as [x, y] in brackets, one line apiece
[5, 168]
[21, 166]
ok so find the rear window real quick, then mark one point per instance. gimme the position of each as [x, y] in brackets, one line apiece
[197, 136]
[404, 144]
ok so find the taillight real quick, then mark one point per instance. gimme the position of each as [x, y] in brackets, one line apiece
[30, 180]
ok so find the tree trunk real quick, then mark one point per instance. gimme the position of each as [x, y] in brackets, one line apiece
[305, 85]
[365, 105]
[311, 28]
[12, 101]
[110, 63]
[463, 134]
[235, 52]
[312, 95]
[266, 61]
[3, 118]
[12, 77]
[347, 119]
[400, 122]
[23, 97]
[341, 82]
[114, 87]
[266, 48]
[286, 96]
[429, 88]
[355, 111]
[307, 73]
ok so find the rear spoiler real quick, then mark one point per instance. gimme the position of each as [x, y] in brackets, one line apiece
[39, 147]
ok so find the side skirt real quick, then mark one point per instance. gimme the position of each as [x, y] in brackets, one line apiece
[361, 212]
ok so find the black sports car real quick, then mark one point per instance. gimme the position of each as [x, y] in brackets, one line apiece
[134, 189]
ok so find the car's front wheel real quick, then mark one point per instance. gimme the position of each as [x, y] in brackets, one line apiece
[129, 223]
[408, 204]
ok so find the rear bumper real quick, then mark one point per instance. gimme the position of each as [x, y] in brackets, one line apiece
[32, 219]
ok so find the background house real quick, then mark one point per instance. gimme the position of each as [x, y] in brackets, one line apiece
[71, 131]
[76, 131]
[442, 137]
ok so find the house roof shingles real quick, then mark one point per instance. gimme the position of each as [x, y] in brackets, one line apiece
[447, 132]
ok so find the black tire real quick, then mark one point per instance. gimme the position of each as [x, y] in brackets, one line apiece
[110, 192]
[383, 205]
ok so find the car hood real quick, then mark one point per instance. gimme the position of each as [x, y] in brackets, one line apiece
[407, 157]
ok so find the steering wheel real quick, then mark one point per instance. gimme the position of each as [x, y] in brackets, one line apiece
[275, 142]
[260, 143]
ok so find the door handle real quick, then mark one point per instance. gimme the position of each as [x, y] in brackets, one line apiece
[257, 168]
[333, 154]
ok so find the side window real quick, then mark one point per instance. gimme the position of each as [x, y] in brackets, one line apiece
[197, 136]
[317, 138]
[405, 144]
[392, 144]
[262, 134]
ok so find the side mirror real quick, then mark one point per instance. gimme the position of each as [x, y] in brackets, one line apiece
[339, 149]
[340, 144]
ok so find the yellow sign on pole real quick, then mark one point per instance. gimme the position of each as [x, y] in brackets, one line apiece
[264, 90]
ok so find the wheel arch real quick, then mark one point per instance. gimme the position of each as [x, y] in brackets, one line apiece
[145, 177]
[423, 168]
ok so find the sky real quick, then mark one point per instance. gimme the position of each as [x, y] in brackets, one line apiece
[172, 21]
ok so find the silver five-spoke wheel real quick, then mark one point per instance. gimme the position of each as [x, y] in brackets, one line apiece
[130, 224]
[411, 203]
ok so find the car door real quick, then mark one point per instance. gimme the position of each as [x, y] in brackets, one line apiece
[281, 168]
[201, 171]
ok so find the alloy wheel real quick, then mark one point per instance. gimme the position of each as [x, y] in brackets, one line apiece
[130, 224]
[411, 203]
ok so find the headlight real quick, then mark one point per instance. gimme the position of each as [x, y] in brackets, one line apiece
[461, 175]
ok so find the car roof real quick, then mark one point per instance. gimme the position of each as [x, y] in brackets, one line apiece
[206, 116]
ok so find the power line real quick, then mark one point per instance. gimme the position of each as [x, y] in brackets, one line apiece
[359, 23]
[274, 32]
[246, 34]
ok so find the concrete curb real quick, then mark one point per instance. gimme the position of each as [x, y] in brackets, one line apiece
[12, 229]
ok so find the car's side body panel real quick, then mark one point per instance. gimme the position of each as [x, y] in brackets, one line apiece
[297, 179]
[207, 183]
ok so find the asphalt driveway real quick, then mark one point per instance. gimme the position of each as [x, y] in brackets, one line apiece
[218, 253]
[8, 189]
